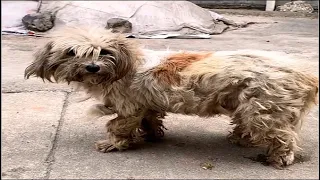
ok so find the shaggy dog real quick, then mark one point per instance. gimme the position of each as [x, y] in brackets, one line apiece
[265, 99]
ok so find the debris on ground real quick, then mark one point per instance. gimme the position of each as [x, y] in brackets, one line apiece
[40, 22]
[206, 166]
[119, 25]
[296, 6]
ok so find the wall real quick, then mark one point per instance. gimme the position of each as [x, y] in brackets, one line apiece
[250, 4]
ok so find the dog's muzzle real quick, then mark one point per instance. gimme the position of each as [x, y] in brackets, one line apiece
[93, 68]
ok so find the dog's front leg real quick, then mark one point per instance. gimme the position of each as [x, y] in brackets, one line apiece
[152, 125]
[102, 109]
[122, 132]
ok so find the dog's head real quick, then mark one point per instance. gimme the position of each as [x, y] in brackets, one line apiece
[84, 55]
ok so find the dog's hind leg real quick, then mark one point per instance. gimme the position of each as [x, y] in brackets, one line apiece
[265, 127]
[152, 125]
[239, 138]
[121, 133]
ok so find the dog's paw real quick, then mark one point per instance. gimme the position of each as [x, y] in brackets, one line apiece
[104, 146]
[281, 161]
[154, 136]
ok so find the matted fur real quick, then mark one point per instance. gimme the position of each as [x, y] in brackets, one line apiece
[265, 98]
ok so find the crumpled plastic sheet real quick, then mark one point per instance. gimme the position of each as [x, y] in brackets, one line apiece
[12, 14]
[150, 19]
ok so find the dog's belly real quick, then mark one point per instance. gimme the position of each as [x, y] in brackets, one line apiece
[184, 103]
[197, 101]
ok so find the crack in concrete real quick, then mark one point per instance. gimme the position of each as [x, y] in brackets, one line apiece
[50, 159]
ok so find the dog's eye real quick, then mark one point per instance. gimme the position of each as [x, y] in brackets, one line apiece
[104, 52]
[70, 53]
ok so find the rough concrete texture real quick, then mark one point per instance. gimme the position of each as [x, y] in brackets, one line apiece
[46, 132]
[29, 122]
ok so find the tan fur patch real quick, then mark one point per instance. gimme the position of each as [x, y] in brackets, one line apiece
[168, 71]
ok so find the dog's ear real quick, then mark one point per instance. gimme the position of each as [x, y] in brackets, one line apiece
[126, 57]
[40, 63]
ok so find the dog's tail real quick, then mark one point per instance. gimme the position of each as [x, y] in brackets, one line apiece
[313, 95]
[316, 93]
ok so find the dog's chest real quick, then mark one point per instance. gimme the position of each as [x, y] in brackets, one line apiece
[120, 98]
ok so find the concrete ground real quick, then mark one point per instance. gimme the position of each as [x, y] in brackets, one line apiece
[46, 133]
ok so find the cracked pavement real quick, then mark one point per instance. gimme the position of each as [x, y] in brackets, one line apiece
[46, 133]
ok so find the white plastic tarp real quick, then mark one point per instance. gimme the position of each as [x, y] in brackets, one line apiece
[150, 19]
[12, 13]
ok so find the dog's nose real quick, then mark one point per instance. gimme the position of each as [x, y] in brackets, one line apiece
[92, 68]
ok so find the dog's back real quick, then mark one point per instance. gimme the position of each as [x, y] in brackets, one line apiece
[225, 78]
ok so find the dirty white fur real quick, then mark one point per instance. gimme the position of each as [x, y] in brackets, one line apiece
[153, 58]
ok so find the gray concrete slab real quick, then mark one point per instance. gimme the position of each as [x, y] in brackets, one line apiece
[189, 141]
[16, 56]
[29, 122]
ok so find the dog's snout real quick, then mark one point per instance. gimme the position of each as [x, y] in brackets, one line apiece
[92, 68]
